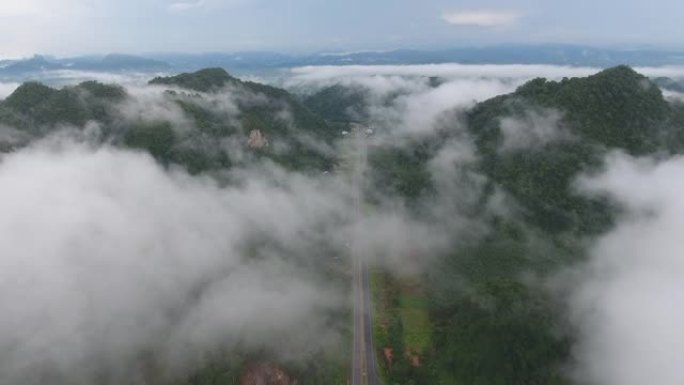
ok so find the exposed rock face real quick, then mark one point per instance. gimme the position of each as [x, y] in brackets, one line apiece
[265, 374]
[257, 139]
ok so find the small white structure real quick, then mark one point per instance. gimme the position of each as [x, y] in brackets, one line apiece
[345, 133]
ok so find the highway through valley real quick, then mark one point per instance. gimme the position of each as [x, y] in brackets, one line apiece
[363, 359]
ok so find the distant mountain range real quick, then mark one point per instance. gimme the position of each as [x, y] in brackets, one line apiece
[259, 61]
[108, 63]
[502, 54]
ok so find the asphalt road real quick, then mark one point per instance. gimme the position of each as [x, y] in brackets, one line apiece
[363, 360]
[363, 368]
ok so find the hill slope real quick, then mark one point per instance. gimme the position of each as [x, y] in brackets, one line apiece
[204, 120]
[494, 320]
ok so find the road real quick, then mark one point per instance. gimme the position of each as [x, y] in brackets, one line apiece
[363, 360]
[363, 368]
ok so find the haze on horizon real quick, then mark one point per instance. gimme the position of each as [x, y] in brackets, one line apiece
[74, 27]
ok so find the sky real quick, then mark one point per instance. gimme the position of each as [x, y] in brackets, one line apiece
[67, 27]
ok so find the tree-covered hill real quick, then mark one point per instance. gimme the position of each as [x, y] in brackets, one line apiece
[351, 102]
[534, 142]
[492, 317]
[340, 103]
[206, 80]
[224, 121]
[278, 115]
[36, 107]
[495, 321]
[616, 109]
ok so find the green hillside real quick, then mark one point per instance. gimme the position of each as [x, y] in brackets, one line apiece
[292, 135]
[491, 326]
[273, 111]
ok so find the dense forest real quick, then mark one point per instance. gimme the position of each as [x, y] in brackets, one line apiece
[214, 129]
[494, 318]
[488, 312]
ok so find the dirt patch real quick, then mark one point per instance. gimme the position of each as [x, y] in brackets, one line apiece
[414, 359]
[388, 356]
[257, 140]
[263, 373]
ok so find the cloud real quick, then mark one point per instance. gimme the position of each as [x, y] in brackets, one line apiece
[181, 6]
[70, 77]
[449, 70]
[676, 72]
[6, 88]
[126, 266]
[482, 18]
[43, 8]
[186, 5]
[627, 301]
[151, 105]
[18, 8]
[111, 264]
[534, 128]
[115, 258]
[402, 98]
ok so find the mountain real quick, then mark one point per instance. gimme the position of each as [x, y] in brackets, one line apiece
[238, 61]
[488, 313]
[669, 84]
[116, 63]
[223, 121]
[35, 108]
[616, 109]
[206, 80]
[41, 66]
[535, 141]
[257, 61]
[494, 319]
[279, 118]
[35, 64]
[554, 54]
[341, 103]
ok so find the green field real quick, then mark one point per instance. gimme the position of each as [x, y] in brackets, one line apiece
[380, 316]
[416, 320]
[404, 301]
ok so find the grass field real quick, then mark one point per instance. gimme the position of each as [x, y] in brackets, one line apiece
[380, 317]
[414, 313]
[402, 298]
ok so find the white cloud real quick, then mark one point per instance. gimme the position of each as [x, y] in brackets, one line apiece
[186, 5]
[534, 128]
[15, 8]
[416, 106]
[628, 303]
[6, 88]
[482, 18]
[122, 257]
[447, 70]
[420, 110]
[667, 71]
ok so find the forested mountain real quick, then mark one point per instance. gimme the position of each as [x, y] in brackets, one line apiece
[351, 102]
[207, 123]
[340, 103]
[492, 326]
[210, 120]
[489, 309]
